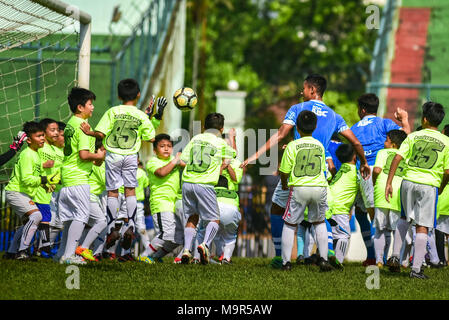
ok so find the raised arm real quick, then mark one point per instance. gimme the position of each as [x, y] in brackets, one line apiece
[394, 165]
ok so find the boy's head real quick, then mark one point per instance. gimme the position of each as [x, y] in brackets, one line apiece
[432, 114]
[35, 134]
[51, 130]
[128, 90]
[98, 144]
[163, 146]
[314, 87]
[394, 139]
[367, 103]
[446, 130]
[345, 153]
[80, 102]
[60, 141]
[306, 122]
[214, 121]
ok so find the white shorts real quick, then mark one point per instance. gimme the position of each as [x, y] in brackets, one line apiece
[74, 203]
[386, 219]
[418, 202]
[97, 208]
[55, 221]
[20, 202]
[169, 227]
[280, 197]
[229, 222]
[313, 198]
[121, 171]
[443, 224]
[200, 199]
[365, 196]
[343, 229]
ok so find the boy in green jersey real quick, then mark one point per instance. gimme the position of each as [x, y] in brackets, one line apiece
[25, 180]
[342, 192]
[123, 128]
[302, 167]
[52, 159]
[387, 214]
[163, 175]
[79, 156]
[426, 153]
[203, 157]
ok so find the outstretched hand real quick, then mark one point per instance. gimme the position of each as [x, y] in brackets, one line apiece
[161, 104]
[149, 110]
[85, 127]
[19, 140]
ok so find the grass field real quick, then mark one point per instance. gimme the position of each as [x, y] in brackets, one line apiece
[246, 279]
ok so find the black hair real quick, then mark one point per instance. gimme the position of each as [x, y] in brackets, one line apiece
[397, 136]
[446, 130]
[222, 182]
[335, 137]
[317, 81]
[433, 112]
[306, 121]
[98, 143]
[345, 152]
[79, 96]
[128, 89]
[214, 121]
[31, 127]
[46, 122]
[160, 137]
[369, 102]
[61, 125]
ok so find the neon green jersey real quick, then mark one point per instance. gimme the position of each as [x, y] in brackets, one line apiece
[304, 161]
[227, 196]
[383, 161]
[142, 179]
[203, 156]
[48, 152]
[163, 191]
[427, 155]
[25, 177]
[97, 179]
[443, 203]
[60, 156]
[235, 165]
[343, 189]
[124, 128]
[75, 171]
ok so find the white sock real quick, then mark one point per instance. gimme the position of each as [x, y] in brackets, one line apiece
[379, 245]
[228, 250]
[15, 243]
[399, 237]
[131, 208]
[154, 246]
[29, 229]
[93, 233]
[433, 248]
[341, 248]
[288, 238]
[321, 239]
[189, 233]
[54, 233]
[63, 243]
[387, 242]
[112, 208]
[211, 232]
[420, 251]
[100, 242]
[73, 236]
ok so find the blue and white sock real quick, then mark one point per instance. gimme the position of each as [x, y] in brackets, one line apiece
[365, 228]
[300, 235]
[330, 238]
[277, 224]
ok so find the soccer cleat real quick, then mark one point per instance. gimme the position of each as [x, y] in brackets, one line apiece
[177, 260]
[418, 275]
[314, 259]
[324, 265]
[145, 259]
[300, 260]
[394, 264]
[225, 261]
[369, 262]
[195, 261]
[85, 253]
[23, 255]
[203, 250]
[276, 262]
[112, 238]
[333, 261]
[109, 256]
[98, 257]
[72, 260]
[221, 258]
[127, 257]
[186, 256]
[128, 237]
[287, 266]
[9, 256]
[380, 265]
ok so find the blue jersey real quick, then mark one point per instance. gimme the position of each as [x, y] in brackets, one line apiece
[333, 146]
[372, 133]
[328, 121]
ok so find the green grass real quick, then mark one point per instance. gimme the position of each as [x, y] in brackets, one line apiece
[246, 279]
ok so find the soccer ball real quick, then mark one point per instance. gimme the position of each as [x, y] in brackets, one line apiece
[185, 99]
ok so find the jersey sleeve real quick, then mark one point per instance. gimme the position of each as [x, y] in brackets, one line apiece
[185, 155]
[380, 159]
[390, 125]
[405, 148]
[85, 142]
[227, 151]
[288, 159]
[328, 154]
[340, 124]
[153, 164]
[148, 132]
[105, 124]
[291, 115]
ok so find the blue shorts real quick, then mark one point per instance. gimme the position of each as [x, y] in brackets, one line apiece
[45, 212]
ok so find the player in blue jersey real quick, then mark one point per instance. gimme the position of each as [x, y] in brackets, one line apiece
[372, 131]
[328, 122]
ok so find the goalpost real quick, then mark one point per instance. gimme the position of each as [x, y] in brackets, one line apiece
[44, 51]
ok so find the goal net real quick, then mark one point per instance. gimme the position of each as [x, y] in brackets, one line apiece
[38, 66]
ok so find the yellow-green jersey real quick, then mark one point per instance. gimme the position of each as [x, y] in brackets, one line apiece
[163, 190]
[26, 176]
[60, 155]
[48, 152]
[443, 203]
[203, 156]
[75, 171]
[97, 179]
[235, 165]
[227, 196]
[304, 161]
[124, 128]
[383, 161]
[143, 181]
[427, 156]
[343, 189]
